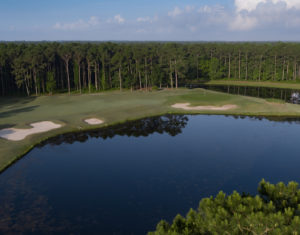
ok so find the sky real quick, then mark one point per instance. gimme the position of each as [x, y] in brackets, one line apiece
[150, 20]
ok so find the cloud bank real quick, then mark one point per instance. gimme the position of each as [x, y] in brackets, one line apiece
[247, 20]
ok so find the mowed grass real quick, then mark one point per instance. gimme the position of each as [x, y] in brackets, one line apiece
[115, 107]
[284, 84]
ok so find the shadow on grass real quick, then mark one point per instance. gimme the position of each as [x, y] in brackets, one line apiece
[16, 101]
[4, 126]
[17, 111]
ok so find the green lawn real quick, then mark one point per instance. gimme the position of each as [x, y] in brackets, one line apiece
[115, 107]
[285, 84]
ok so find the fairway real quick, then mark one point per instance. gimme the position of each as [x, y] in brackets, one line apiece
[115, 107]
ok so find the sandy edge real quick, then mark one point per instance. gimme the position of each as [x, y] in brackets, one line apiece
[186, 106]
[93, 121]
[20, 134]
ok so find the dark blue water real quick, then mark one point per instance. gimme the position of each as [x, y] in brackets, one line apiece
[125, 179]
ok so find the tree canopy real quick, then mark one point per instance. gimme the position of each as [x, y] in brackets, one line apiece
[46, 67]
[275, 210]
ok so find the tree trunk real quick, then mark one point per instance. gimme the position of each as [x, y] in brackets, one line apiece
[35, 82]
[61, 75]
[96, 76]
[79, 77]
[294, 70]
[246, 78]
[171, 76]
[146, 78]
[140, 80]
[68, 76]
[84, 75]
[151, 70]
[120, 78]
[176, 75]
[89, 76]
[109, 76]
[275, 68]
[26, 84]
[259, 77]
[239, 65]
[103, 75]
[287, 70]
[2, 82]
[229, 66]
[283, 67]
[197, 67]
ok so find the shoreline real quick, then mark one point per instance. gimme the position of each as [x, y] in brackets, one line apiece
[91, 128]
[117, 108]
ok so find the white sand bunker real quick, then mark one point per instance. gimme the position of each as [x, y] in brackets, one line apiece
[186, 106]
[93, 121]
[20, 134]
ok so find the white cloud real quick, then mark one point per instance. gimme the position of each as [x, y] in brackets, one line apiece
[93, 21]
[243, 23]
[265, 14]
[119, 19]
[143, 19]
[176, 12]
[257, 18]
[77, 25]
[251, 5]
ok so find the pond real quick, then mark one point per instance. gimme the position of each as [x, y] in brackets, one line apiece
[259, 92]
[125, 179]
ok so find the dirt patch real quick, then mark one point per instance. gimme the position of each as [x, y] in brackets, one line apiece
[93, 121]
[186, 106]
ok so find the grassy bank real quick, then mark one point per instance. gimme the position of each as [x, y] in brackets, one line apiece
[115, 107]
[287, 85]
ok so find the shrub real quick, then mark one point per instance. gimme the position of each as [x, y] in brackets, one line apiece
[275, 210]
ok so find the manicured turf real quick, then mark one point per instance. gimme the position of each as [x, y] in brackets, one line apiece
[115, 107]
[288, 85]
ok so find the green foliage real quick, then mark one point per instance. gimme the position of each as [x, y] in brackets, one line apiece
[51, 83]
[76, 74]
[142, 65]
[274, 211]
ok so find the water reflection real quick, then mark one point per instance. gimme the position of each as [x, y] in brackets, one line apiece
[121, 185]
[282, 119]
[170, 124]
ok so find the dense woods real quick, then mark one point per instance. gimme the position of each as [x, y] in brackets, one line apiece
[47, 67]
[274, 211]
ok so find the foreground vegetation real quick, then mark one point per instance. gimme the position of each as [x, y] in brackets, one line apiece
[275, 210]
[115, 107]
[39, 68]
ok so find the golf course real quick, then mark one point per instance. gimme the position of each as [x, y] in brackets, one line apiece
[113, 107]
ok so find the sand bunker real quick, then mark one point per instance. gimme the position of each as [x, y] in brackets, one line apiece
[20, 134]
[186, 106]
[93, 121]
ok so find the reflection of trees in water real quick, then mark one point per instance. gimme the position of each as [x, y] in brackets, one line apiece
[291, 120]
[170, 124]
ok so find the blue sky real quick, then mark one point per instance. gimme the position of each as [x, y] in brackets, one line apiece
[188, 20]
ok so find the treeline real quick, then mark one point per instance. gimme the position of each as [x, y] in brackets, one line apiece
[275, 210]
[47, 67]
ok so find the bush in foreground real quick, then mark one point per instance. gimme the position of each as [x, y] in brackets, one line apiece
[275, 210]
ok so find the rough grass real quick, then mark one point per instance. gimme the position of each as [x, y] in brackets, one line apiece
[115, 107]
[284, 84]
